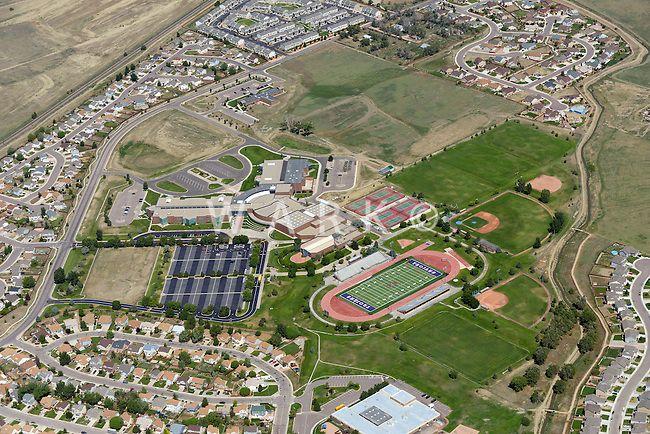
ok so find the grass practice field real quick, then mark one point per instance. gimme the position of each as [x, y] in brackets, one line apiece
[120, 274]
[521, 221]
[391, 284]
[487, 163]
[167, 141]
[464, 346]
[365, 104]
[526, 300]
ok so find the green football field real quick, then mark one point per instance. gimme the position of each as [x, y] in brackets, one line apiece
[391, 284]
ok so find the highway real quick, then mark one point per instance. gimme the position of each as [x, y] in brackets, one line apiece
[637, 378]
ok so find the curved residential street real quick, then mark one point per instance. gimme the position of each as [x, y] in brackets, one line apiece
[636, 379]
[282, 399]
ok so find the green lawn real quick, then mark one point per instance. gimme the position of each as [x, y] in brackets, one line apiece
[375, 107]
[379, 352]
[300, 145]
[521, 220]
[491, 162]
[464, 346]
[171, 186]
[232, 161]
[257, 155]
[526, 300]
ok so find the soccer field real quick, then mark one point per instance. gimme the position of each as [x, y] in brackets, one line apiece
[391, 284]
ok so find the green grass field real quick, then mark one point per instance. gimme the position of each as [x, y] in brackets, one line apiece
[232, 161]
[462, 345]
[379, 352]
[526, 300]
[390, 285]
[258, 155]
[480, 166]
[374, 106]
[300, 144]
[171, 186]
[521, 220]
[474, 222]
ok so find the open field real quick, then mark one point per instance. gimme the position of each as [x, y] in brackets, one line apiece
[477, 168]
[366, 105]
[526, 300]
[166, 141]
[49, 47]
[120, 274]
[294, 143]
[464, 346]
[257, 155]
[620, 151]
[426, 366]
[521, 220]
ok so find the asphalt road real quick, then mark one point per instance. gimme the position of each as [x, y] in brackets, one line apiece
[282, 400]
[637, 377]
[529, 88]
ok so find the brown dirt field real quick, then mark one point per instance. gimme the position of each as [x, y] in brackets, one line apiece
[491, 219]
[492, 299]
[172, 139]
[405, 243]
[297, 258]
[546, 182]
[52, 46]
[121, 274]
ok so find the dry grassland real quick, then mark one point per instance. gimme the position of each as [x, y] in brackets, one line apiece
[120, 274]
[48, 47]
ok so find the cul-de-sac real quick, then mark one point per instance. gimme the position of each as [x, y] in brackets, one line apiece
[324, 216]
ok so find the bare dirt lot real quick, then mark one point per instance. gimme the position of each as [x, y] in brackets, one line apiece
[49, 47]
[546, 182]
[166, 141]
[120, 274]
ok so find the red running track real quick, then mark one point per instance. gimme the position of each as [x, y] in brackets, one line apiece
[341, 310]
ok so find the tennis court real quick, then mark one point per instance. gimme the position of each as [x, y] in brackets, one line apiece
[391, 284]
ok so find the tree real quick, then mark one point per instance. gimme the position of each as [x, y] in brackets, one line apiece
[29, 282]
[536, 397]
[292, 271]
[545, 196]
[567, 372]
[539, 356]
[64, 358]
[537, 244]
[532, 375]
[518, 383]
[557, 222]
[240, 239]
[551, 371]
[116, 305]
[59, 276]
[244, 391]
[116, 423]
[559, 387]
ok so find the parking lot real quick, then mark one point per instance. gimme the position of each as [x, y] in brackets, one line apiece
[216, 260]
[205, 291]
[127, 205]
[341, 176]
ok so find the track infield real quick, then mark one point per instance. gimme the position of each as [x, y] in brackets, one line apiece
[384, 288]
[391, 284]
[464, 346]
